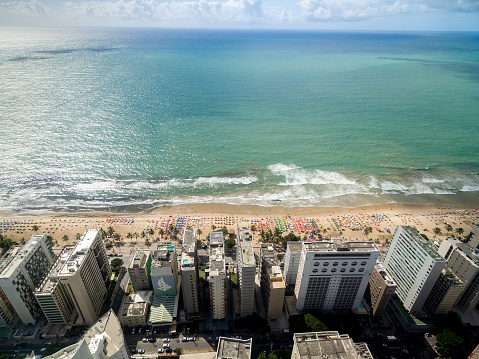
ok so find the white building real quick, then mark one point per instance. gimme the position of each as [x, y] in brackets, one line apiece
[21, 271]
[415, 265]
[217, 276]
[85, 273]
[104, 340]
[246, 270]
[291, 262]
[334, 275]
[189, 273]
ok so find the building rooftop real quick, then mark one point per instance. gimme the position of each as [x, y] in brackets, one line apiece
[217, 259]
[139, 258]
[318, 345]
[247, 254]
[340, 246]
[244, 234]
[428, 247]
[78, 254]
[471, 253]
[16, 255]
[51, 280]
[189, 236]
[109, 328]
[295, 246]
[385, 275]
[216, 238]
[232, 348]
[187, 260]
[134, 309]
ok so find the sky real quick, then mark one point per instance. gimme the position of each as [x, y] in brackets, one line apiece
[366, 15]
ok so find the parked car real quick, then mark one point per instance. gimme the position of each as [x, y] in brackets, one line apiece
[141, 351]
[166, 340]
[152, 339]
[161, 350]
[184, 339]
[166, 345]
[134, 351]
[168, 350]
[133, 331]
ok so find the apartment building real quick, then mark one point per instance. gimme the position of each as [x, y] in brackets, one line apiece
[22, 269]
[104, 340]
[291, 262]
[463, 260]
[415, 265]
[334, 275]
[53, 297]
[328, 344]
[217, 278]
[246, 270]
[134, 309]
[381, 288]
[234, 348]
[166, 284]
[85, 273]
[189, 272]
[445, 292]
[7, 312]
[272, 283]
[139, 270]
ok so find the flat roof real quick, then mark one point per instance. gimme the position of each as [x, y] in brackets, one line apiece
[295, 246]
[139, 258]
[189, 236]
[217, 259]
[247, 254]
[234, 348]
[19, 254]
[216, 238]
[471, 253]
[51, 280]
[329, 344]
[340, 246]
[78, 254]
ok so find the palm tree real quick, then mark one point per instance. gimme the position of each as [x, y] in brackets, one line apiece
[161, 232]
[102, 233]
[213, 227]
[448, 228]
[35, 228]
[253, 228]
[460, 230]
[77, 236]
[65, 237]
[367, 231]
[437, 231]
[110, 231]
[129, 235]
[151, 232]
[199, 232]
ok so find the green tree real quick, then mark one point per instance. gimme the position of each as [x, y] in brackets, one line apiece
[35, 228]
[273, 356]
[108, 245]
[449, 344]
[262, 355]
[460, 231]
[65, 237]
[436, 231]
[116, 263]
[368, 231]
[161, 232]
[129, 235]
[151, 232]
[291, 237]
[110, 231]
[253, 228]
[22, 241]
[178, 351]
[213, 227]
[448, 228]
[230, 243]
[225, 231]
[314, 324]
[102, 233]
[280, 257]
[77, 236]
[200, 232]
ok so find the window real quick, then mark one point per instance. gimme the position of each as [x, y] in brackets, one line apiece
[324, 270]
[361, 269]
[316, 264]
[363, 263]
[326, 264]
[343, 270]
[333, 270]
[354, 263]
[352, 269]
[345, 264]
[315, 270]
[335, 264]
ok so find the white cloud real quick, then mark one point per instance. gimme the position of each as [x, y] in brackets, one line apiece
[358, 10]
[232, 10]
[23, 8]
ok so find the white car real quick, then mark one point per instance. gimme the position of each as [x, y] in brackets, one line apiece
[161, 350]
[141, 351]
[145, 340]
[166, 340]
[166, 345]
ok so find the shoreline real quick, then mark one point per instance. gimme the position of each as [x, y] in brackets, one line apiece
[330, 222]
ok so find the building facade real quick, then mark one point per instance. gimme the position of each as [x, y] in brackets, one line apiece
[415, 265]
[52, 296]
[272, 283]
[139, 270]
[189, 273]
[22, 270]
[135, 308]
[7, 312]
[333, 276]
[463, 260]
[85, 273]
[445, 292]
[381, 288]
[217, 278]
[291, 262]
[246, 270]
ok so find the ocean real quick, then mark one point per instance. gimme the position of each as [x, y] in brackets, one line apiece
[132, 119]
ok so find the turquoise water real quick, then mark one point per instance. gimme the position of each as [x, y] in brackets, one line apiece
[111, 118]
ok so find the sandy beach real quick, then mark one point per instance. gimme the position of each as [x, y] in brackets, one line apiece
[314, 223]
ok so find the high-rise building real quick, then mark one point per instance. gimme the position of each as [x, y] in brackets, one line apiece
[334, 275]
[463, 260]
[23, 269]
[104, 340]
[52, 296]
[272, 283]
[291, 262]
[414, 264]
[7, 312]
[189, 273]
[217, 277]
[139, 270]
[85, 273]
[166, 284]
[246, 270]
[381, 288]
[473, 237]
[328, 345]
[445, 292]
